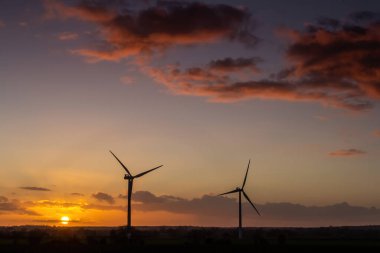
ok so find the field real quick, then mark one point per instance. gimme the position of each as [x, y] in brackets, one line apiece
[188, 239]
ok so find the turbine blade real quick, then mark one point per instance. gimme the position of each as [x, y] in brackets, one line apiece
[129, 173]
[246, 174]
[145, 172]
[246, 196]
[233, 191]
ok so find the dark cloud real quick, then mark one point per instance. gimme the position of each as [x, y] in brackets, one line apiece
[347, 152]
[206, 205]
[221, 210]
[364, 16]
[332, 62]
[76, 194]
[347, 54]
[218, 87]
[155, 28]
[101, 196]
[232, 65]
[34, 188]
[14, 206]
[329, 22]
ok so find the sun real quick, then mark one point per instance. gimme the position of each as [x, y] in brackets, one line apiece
[65, 220]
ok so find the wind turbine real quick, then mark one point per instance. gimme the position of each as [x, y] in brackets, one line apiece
[130, 179]
[240, 191]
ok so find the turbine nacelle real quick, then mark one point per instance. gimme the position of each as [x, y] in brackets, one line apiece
[127, 177]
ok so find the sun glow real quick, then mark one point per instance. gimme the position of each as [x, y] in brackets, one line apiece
[65, 220]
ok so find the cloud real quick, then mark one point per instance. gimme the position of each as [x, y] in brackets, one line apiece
[2, 24]
[81, 205]
[333, 63]
[46, 221]
[67, 36]
[347, 152]
[216, 210]
[101, 196]
[222, 88]
[206, 205]
[376, 133]
[14, 206]
[232, 65]
[157, 27]
[34, 188]
[52, 203]
[345, 53]
[76, 194]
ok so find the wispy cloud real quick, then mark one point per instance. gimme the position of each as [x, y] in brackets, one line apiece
[67, 204]
[347, 152]
[68, 36]
[101, 196]
[34, 188]
[76, 194]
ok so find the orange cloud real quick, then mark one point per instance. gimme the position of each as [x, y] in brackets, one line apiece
[156, 28]
[218, 87]
[347, 152]
[333, 63]
[82, 11]
[376, 133]
[14, 206]
[347, 53]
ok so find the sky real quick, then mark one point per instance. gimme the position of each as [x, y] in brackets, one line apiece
[201, 88]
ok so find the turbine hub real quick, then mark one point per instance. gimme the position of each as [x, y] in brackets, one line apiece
[127, 177]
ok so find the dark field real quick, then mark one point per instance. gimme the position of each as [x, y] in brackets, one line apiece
[189, 239]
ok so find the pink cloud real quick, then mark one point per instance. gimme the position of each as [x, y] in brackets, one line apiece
[376, 133]
[155, 28]
[67, 36]
[347, 153]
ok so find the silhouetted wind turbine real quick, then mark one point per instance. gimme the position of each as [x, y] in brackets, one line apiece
[130, 179]
[240, 191]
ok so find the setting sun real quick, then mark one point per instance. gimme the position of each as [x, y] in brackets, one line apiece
[65, 220]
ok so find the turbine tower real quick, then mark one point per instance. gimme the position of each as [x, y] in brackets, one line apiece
[130, 179]
[241, 191]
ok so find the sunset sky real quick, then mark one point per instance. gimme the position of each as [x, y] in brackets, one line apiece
[200, 87]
